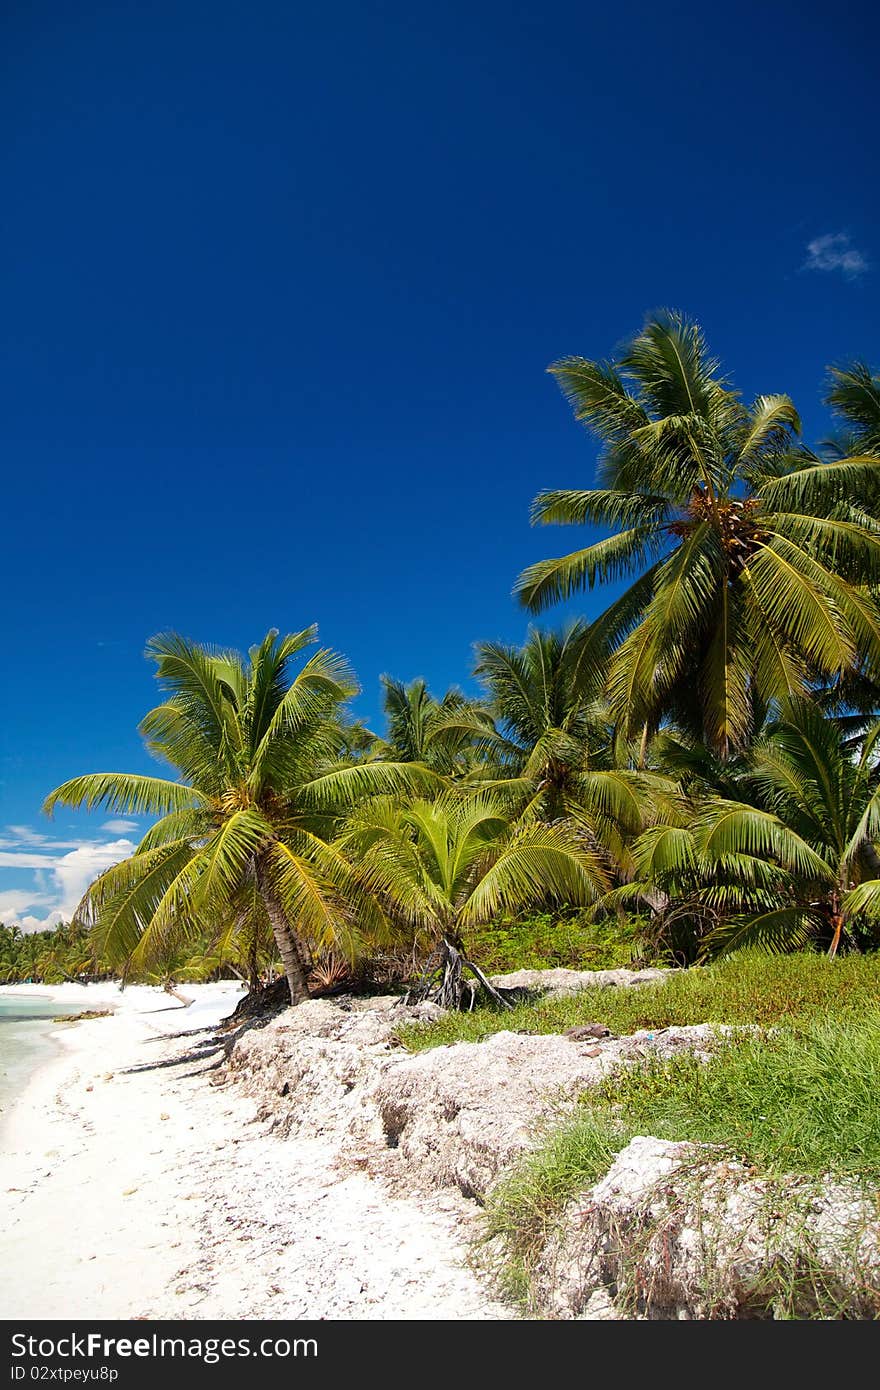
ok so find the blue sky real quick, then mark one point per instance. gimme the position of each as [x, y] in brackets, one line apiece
[279, 286]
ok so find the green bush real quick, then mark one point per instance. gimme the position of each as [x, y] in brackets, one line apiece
[547, 940]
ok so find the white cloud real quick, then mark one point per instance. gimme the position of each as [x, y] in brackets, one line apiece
[23, 859]
[120, 826]
[16, 901]
[21, 837]
[59, 880]
[76, 870]
[835, 251]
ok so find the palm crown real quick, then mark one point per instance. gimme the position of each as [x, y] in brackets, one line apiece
[788, 855]
[452, 863]
[248, 826]
[751, 555]
[440, 733]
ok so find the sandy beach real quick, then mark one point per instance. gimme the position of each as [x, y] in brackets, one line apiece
[133, 1188]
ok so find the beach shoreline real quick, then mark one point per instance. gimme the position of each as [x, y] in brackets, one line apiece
[134, 1188]
[75, 1148]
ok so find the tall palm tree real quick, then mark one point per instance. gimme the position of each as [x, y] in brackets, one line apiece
[796, 861]
[260, 787]
[750, 555]
[450, 864]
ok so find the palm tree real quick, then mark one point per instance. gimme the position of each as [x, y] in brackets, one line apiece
[795, 862]
[555, 739]
[451, 864]
[438, 733]
[261, 785]
[750, 555]
[548, 720]
[854, 396]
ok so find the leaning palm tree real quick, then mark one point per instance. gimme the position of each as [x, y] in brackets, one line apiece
[796, 862]
[252, 813]
[449, 865]
[750, 556]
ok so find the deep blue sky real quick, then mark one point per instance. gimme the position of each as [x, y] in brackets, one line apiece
[280, 282]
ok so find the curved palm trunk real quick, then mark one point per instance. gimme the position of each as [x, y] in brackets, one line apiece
[288, 947]
[837, 921]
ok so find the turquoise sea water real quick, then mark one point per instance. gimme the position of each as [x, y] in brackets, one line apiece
[25, 1041]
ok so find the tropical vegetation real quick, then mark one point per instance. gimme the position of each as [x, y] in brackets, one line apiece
[691, 771]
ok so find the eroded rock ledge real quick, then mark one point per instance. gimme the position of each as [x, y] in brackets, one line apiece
[675, 1231]
[454, 1116]
[670, 1232]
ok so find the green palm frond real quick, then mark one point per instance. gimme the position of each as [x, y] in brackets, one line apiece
[550, 581]
[537, 861]
[125, 792]
[821, 486]
[772, 420]
[732, 828]
[864, 899]
[599, 397]
[270, 664]
[777, 930]
[342, 787]
[195, 677]
[602, 506]
[854, 395]
[119, 906]
[795, 604]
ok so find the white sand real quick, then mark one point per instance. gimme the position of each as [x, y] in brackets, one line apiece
[133, 1188]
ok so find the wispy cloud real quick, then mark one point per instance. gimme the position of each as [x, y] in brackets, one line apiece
[835, 251]
[22, 837]
[120, 826]
[59, 879]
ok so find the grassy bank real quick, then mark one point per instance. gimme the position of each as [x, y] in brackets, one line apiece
[794, 1097]
[798, 990]
[800, 1102]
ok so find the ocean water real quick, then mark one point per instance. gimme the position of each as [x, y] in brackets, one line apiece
[25, 1041]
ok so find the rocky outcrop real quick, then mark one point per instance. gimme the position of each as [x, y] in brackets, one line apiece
[460, 1115]
[563, 981]
[453, 1116]
[674, 1231]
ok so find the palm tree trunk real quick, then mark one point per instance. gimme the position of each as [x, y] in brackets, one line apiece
[253, 961]
[451, 989]
[285, 940]
[836, 923]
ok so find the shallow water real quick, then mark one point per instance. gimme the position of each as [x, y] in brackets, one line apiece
[25, 1041]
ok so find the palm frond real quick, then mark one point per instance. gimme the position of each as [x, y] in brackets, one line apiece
[125, 792]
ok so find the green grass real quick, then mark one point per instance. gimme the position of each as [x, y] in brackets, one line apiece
[801, 1101]
[747, 988]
